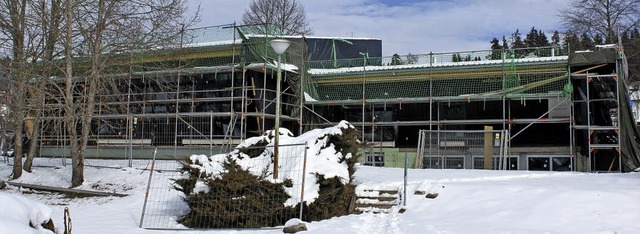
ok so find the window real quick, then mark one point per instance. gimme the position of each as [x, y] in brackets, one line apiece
[374, 159]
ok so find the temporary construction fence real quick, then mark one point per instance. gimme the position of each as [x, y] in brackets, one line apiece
[463, 149]
[164, 206]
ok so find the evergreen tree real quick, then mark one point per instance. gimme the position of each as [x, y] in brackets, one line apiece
[632, 51]
[624, 36]
[585, 42]
[597, 39]
[517, 40]
[412, 58]
[635, 35]
[542, 40]
[505, 44]
[555, 39]
[496, 49]
[454, 58]
[571, 42]
[396, 60]
[531, 39]
[518, 44]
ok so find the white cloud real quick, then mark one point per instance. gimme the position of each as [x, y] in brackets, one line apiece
[413, 26]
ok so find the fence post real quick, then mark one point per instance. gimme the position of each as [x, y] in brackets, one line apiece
[488, 148]
[304, 175]
[146, 195]
[404, 189]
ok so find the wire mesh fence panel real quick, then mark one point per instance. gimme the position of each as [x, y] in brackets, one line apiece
[460, 149]
[236, 190]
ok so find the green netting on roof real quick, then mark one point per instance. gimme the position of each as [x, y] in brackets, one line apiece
[477, 74]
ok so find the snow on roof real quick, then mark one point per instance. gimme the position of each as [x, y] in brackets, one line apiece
[212, 43]
[274, 66]
[323, 71]
[312, 37]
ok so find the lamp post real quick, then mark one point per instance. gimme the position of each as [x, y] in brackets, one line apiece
[279, 46]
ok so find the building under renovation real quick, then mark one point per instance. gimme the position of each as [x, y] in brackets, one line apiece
[526, 109]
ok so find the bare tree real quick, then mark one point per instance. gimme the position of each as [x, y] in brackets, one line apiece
[13, 26]
[47, 17]
[35, 34]
[602, 17]
[286, 17]
[107, 29]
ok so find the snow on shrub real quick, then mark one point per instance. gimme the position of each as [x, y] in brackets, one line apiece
[331, 156]
[22, 215]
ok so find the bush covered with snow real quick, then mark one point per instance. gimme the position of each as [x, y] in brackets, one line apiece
[238, 189]
[22, 215]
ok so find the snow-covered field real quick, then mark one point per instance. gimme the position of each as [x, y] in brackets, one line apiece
[469, 201]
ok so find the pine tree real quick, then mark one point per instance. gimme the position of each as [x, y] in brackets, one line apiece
[597, 39]
[518, 44]
[542, 40]
[632, 50]
[505, 44]
[531, 39]
[517, 40]
[454, 58]
[555, 39]
[585, 42]
[396, 60]
[571, 42]
[496, 49]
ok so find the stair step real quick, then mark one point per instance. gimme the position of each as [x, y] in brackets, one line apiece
[379, 198]
[375, 199]
[392, 192]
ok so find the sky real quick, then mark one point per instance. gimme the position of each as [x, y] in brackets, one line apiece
[410, 26]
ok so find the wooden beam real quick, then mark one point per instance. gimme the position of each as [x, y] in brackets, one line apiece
[488, 148]
[65, 190]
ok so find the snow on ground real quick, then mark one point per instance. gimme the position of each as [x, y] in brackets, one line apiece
[23, 213]
[469, 201]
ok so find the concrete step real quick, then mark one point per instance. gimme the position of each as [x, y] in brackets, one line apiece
[374, 200]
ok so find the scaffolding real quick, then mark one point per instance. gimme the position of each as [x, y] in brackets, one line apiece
[445, 91]
[598, 99]
[216, 87]
[203, 95]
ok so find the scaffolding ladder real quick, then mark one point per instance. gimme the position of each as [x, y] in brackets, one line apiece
[604, 136]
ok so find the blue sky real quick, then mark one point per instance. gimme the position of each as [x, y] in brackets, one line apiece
[411, 26]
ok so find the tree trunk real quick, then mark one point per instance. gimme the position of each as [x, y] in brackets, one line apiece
[17, 11]
[52, 19]
[17, 153]
[33, 141]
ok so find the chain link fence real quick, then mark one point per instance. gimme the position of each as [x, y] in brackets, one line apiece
[167, 208]
[462, 149]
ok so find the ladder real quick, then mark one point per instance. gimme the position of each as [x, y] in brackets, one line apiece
[602, 137]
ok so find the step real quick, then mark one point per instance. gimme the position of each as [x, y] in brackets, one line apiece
[379, 198]
[375, 200]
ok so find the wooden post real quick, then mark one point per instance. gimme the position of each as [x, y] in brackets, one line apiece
[488, 148]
